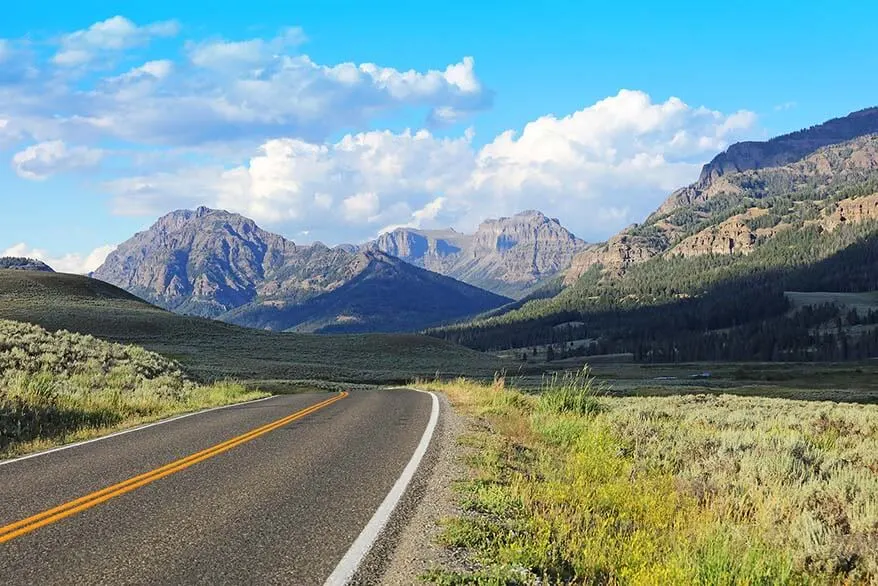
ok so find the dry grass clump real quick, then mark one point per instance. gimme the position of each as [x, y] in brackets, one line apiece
[574, 486]
[60, 386]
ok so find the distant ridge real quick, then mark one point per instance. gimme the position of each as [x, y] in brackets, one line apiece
[24, 264]
[511, 256]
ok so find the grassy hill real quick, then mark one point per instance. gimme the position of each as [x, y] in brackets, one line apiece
[59, 387]
[213, 350]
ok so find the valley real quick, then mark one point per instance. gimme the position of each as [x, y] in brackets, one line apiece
[289, 306]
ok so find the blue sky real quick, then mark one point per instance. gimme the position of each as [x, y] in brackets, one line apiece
[337, 120]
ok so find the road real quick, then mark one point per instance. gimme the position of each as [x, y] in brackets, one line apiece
[222, 497]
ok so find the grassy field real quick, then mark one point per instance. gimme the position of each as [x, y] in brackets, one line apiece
[62, 387]
[843, 382]
[862, 302]
[572, 485]
[212, 350]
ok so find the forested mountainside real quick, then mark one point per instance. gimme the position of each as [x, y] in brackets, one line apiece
[706, 276]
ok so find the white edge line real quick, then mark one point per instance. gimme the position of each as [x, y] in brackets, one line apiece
[351, 561]
[132, 430]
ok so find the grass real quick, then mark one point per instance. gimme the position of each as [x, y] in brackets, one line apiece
[61, 387]
[212, 350]
[574, 485]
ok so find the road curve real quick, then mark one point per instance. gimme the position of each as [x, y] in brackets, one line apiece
[270, 492]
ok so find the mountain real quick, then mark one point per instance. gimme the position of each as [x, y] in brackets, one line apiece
[707, 276]
[212, 350]
[509, 256]
[717, 214]
[388, 295]
[216, 264]
[24, 264]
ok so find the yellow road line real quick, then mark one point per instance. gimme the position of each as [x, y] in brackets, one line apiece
[73, 507]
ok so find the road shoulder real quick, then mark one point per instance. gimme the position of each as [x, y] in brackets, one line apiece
[410, 546]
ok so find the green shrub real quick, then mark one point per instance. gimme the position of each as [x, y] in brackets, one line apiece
[577, 393]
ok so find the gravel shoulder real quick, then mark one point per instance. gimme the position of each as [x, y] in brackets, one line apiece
[409, 545]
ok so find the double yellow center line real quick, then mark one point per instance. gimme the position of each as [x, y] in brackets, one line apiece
[74, 507]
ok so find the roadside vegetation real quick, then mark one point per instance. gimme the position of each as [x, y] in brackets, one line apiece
[61, 387]
[572, 485]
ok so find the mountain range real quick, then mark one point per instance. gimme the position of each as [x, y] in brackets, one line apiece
[216, 264]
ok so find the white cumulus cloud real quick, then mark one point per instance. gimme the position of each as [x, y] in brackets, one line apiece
[599, 168]
[42, 160]
[68, 263]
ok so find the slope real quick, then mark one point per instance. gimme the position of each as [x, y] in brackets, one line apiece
[214, 350]
[705, 277]
[388, 295]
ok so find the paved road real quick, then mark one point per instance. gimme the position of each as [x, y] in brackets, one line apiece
[282, 507]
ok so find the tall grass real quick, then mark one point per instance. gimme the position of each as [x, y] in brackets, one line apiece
[62, 386]
[574, 486]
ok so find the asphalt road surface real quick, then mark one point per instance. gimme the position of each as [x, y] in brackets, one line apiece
[270, 492]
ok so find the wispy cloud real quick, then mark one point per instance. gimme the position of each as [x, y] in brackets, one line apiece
[74, 263]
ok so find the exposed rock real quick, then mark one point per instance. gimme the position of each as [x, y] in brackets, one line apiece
[850, 211]
[777, 152]
[729, 237]
[616, 255]
[510, 256]
[843, 151]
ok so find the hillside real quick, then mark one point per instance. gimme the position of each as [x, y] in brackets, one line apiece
[790, 177]
[704, 277]
[214, 350]
[211, 263]
[388, 295]
[509, 256]
[58, 387]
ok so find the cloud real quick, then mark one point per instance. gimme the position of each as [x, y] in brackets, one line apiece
[785, 106]
[111, 35]
[599, 168]
[360, 207]
[220, 92]
[231, 55]
[39, 161]
[68, 263]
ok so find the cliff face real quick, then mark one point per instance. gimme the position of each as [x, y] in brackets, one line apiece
[779, 178]
[510, 256]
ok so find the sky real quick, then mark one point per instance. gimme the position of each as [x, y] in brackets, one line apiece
[338, 120]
